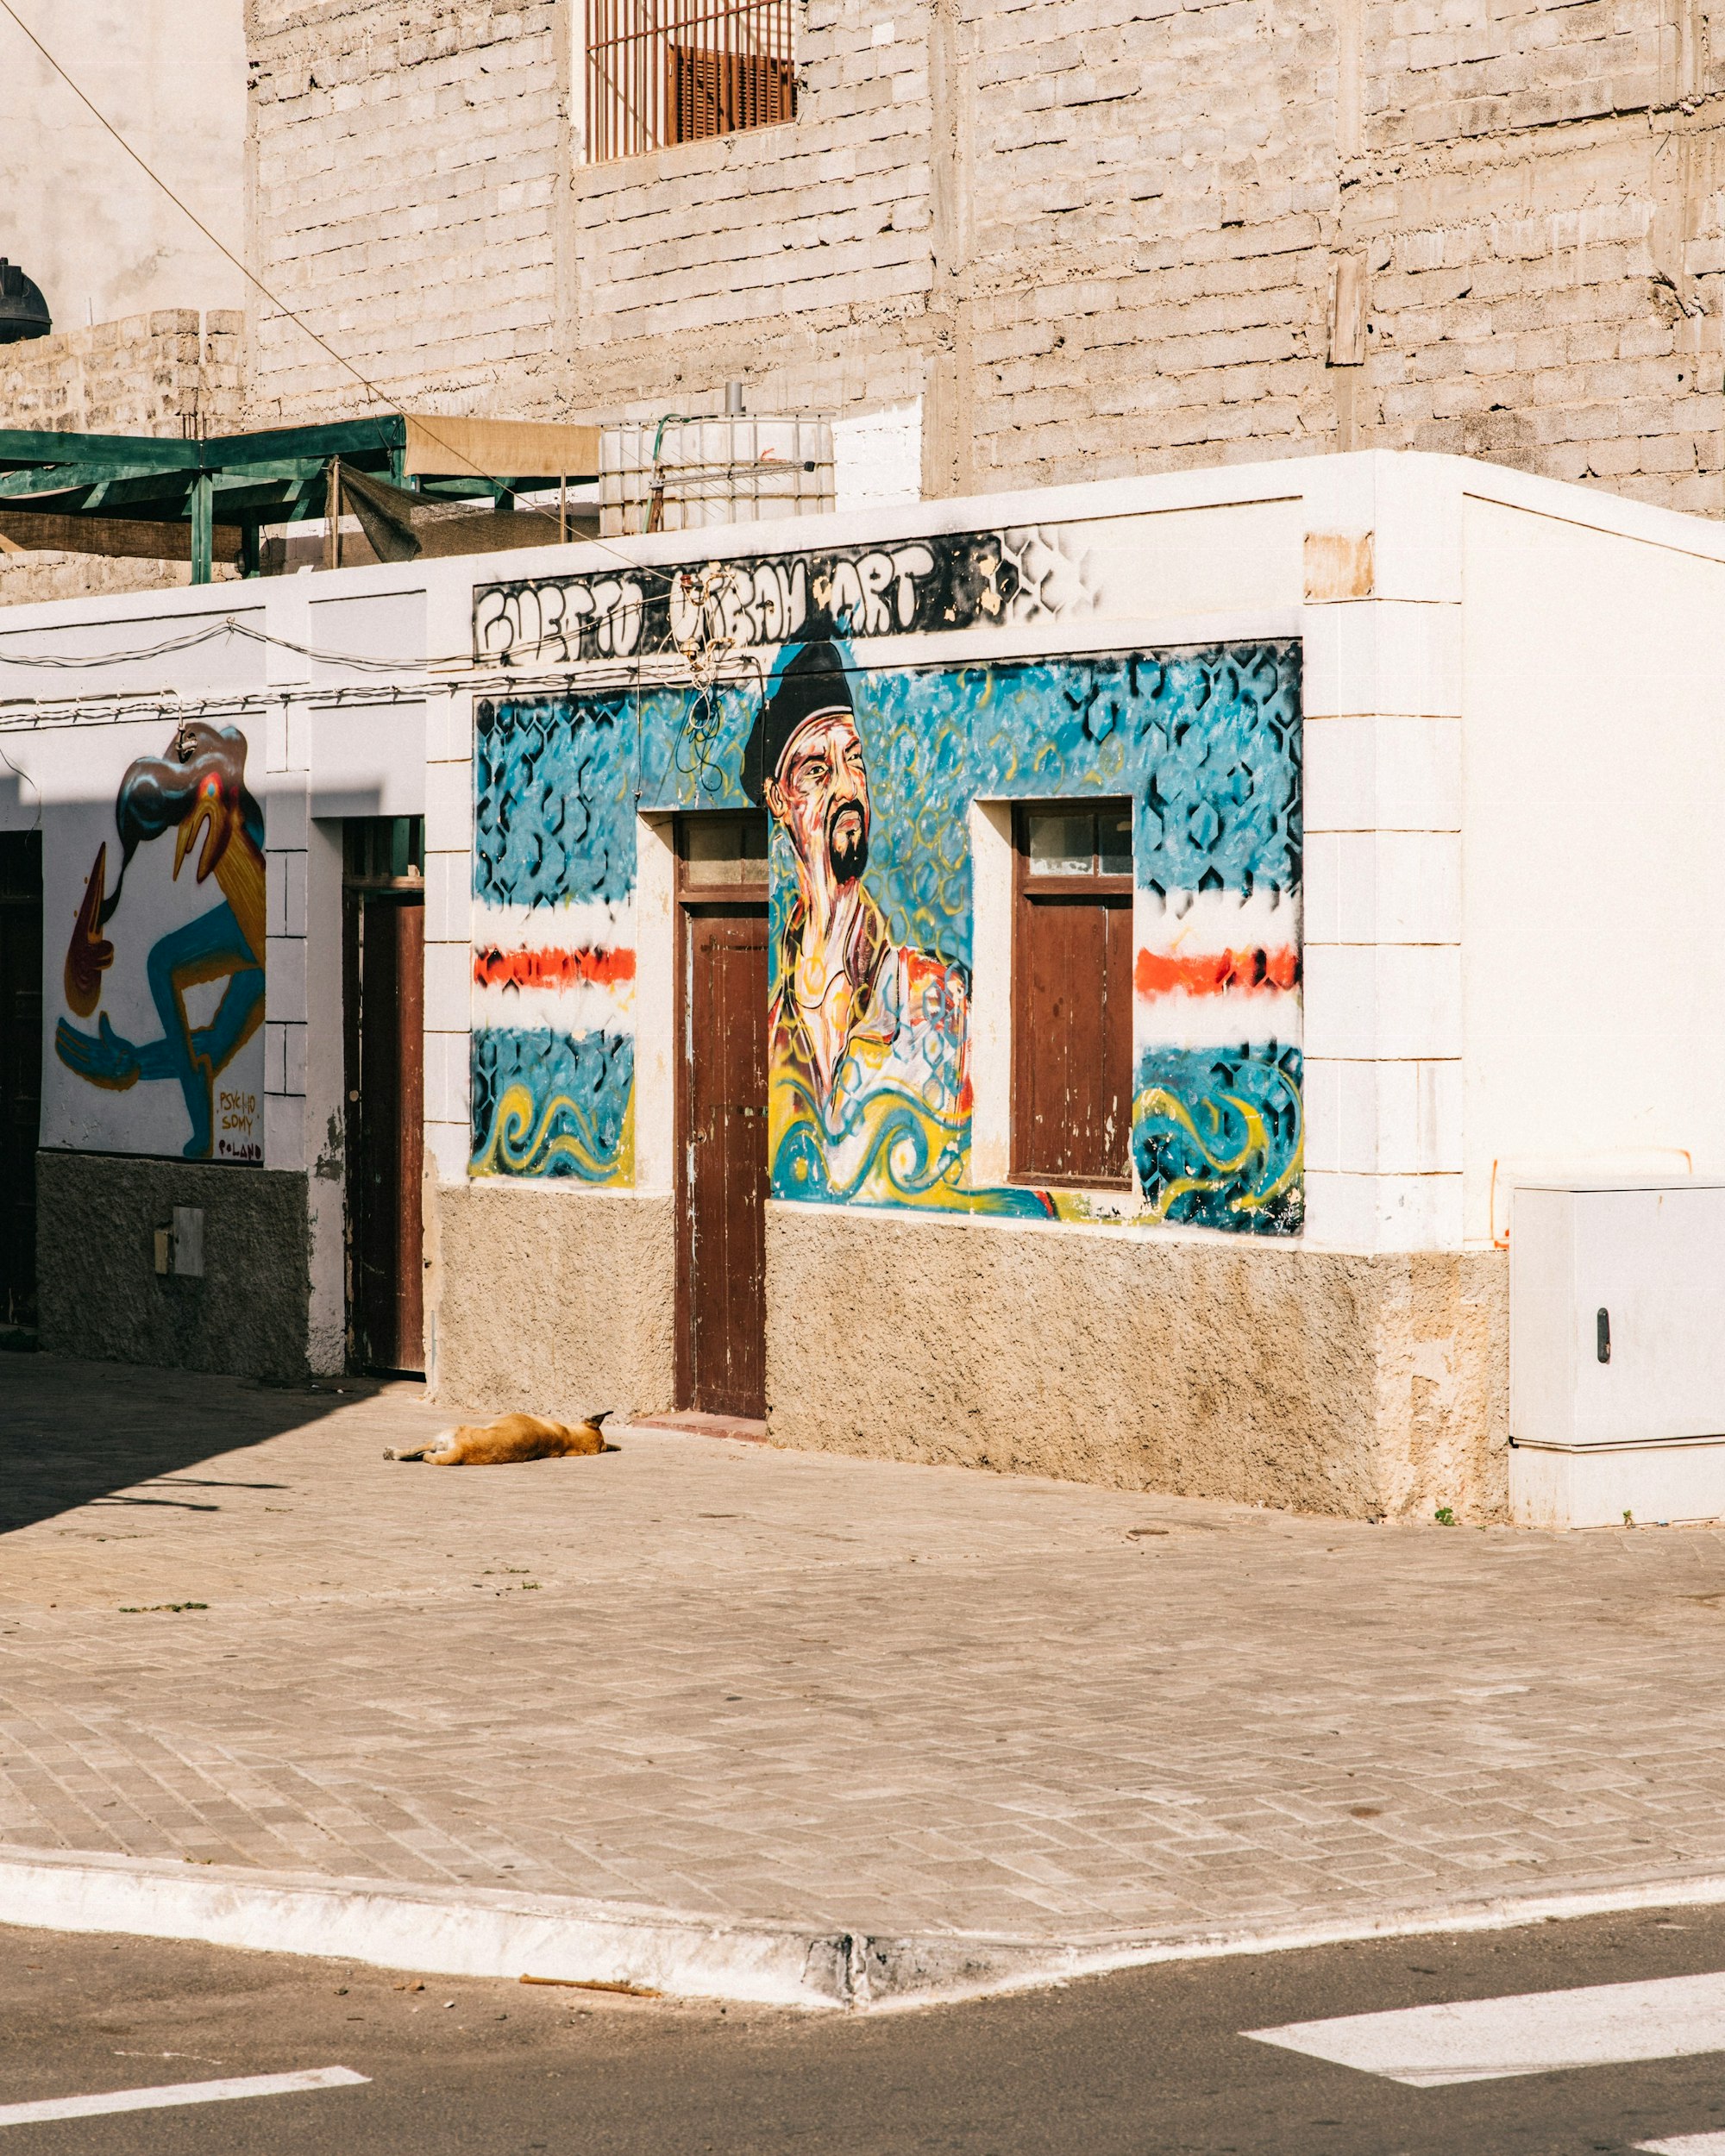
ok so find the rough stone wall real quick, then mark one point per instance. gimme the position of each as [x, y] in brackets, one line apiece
[419, 199]
[1538, 195]
[1313, 1381]
[1144, 269]
[1095, 236]
[1528, 194]
[798, 258]
[99, 1289]
[167, 374]
[551, 1301]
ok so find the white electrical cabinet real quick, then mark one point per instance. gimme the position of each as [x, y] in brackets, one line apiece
[1617, 1351]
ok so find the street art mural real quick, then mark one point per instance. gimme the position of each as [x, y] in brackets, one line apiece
[554, 953]
[168, 960]
[868, 1086]
[867, 774]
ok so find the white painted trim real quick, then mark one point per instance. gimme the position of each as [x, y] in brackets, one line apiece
[475, 1932]
[991, 991]
[1086, 636]
[1269, 1247]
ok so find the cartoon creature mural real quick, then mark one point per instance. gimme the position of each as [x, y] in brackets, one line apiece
[198, 791]
[867, 1039]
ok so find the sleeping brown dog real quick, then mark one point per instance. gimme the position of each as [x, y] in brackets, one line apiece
[510, 1438]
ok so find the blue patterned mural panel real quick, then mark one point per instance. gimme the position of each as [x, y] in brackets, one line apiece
[548, 1104]
[1217, 1136]
[553, 801]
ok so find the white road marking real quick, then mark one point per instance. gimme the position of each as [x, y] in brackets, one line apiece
[1533, 2033]
[181, 2093]
[1686, 2145]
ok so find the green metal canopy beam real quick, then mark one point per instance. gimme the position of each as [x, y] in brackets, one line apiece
[355, 438]
[277, 476]
[21, 448]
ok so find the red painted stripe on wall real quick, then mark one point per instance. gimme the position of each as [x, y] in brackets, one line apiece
[1215, 973]
[496, 969]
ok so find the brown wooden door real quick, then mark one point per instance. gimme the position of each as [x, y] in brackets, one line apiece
[1072, 1120]
[722, 1253]
[385, 1014]
[20, 1070]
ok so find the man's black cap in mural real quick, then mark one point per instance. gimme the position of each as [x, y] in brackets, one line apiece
[811, 680]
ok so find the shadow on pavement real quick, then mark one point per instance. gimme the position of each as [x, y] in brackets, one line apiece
[106, 1433]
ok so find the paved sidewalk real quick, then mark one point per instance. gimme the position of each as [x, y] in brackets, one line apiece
[750, 1684]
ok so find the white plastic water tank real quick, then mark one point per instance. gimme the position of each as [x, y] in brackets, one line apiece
[1617, 1351]
[679, 474]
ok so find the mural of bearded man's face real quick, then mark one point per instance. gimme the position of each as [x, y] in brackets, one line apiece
[820, 794]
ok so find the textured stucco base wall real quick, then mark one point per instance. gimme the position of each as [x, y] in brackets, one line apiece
[101, 1297]
[1316, 1381]
[552, 1300]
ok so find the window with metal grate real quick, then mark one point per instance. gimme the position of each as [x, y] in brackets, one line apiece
[664, 72]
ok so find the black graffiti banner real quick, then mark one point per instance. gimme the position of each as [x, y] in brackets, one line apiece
[955, 580]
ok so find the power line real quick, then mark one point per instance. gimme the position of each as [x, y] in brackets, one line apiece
[186, 211]
[251, 276]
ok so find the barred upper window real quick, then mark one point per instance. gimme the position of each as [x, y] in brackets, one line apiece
[663, 72]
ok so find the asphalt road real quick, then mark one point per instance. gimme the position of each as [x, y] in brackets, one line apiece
[1150, 2060]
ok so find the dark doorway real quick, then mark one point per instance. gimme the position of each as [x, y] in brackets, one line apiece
[20, 1070]
[383, 954]
[722, 1116]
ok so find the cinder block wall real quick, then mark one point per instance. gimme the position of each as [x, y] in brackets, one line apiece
[406, 162]
[1095, 236]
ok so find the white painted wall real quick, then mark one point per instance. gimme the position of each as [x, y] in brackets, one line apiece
[877, 458]
[1514, 754]
[315, 753]
[1594, 772]
[1383, 806]
[75, 211]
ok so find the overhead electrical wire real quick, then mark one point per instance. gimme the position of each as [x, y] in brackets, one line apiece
[67, 661]
[717, 661]
[273, 297]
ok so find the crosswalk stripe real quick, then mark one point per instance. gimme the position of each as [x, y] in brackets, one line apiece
[1531, 2033]
[179, 2092]
[1685, 2144]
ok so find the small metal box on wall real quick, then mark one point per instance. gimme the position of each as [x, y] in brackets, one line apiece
[1617, 1351]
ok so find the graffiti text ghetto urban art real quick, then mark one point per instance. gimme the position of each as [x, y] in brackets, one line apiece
[868, 775]
[951, 581]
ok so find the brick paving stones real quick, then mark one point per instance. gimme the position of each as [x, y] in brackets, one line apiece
[727, 1679]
